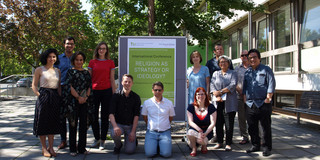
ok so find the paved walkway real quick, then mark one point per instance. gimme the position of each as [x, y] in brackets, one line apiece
[290, 141]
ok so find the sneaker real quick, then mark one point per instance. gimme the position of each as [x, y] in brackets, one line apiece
[101, 145]
[117, 150]
[95, 144]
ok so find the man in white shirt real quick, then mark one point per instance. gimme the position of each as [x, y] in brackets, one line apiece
[158, 113]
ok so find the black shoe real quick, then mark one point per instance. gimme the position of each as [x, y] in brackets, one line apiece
[117, 150]
[266, 152]
[253, 149]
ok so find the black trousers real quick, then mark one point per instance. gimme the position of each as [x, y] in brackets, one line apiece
[102, 97]
[81, 112]
[262, 114]
[227, 120]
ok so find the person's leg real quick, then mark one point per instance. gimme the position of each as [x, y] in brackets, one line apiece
[95, 124]
[73, 133]
[50, 142]
[229, 124]
[242, 120]
[105, 102]
[82, 142]
[219, 124]
[165, 143]
[44, 145]
[265, 120]
[252, 120]
[192, 139]
[117, 139]
[130, 147]
[151, 143]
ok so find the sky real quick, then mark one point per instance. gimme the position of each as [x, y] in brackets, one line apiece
[85, 6]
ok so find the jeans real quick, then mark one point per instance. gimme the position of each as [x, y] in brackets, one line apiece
[154, 139]
[130, 147]
[103, 97]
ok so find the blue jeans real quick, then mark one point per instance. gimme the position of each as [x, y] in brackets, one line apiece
[130, 147]
[155, 139]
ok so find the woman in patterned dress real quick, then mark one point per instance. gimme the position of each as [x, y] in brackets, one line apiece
[47, 110]
[78, 87]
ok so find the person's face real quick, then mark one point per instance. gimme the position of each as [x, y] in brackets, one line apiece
[200, 96]
[127, 83]
[69, 46]
[218, 51]
[253, 59]
[157, 91]
[223, 64]
[52, 58]
[102, 50]
[195, 58]
[78, 62]
[244, 56]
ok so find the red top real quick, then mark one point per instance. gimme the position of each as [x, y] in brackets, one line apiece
[201, 117]
[101, 73]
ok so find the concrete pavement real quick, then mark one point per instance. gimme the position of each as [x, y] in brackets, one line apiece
[290, 141]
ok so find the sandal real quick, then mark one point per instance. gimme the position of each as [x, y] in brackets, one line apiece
[73, 154]
[193, 154]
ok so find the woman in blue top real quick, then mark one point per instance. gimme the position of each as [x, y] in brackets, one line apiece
[201, 118]
[197, 75]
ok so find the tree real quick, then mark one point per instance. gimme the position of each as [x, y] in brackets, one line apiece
[28, 27]
[171, 17]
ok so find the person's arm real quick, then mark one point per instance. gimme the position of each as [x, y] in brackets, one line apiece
[35, 81]
[170, 118]
[112, 81]
[191, 123]
[208, 86]
[116, 129]
[233, 84]
[213, 88]
[59, 86]
[145, 118]
[213, 120]
[271, 85]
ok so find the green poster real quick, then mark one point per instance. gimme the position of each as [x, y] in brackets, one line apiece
[148, 65]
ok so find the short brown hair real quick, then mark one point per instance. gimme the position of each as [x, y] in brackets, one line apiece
[127, 75]
[193, 53]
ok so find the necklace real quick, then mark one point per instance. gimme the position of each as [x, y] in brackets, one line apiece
[202, 110]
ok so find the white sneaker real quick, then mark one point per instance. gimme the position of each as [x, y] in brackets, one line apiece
[101, 145]
[95, 144]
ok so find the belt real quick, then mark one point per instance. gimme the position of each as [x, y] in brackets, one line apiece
[155, 130]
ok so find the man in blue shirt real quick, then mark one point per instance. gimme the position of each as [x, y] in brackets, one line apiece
[64, 66]
[258, 88]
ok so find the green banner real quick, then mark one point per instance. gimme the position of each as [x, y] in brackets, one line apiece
[148, 65]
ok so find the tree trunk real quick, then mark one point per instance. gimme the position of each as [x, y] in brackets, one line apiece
[151, 17]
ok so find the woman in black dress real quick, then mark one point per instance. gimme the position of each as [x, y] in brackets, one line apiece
[201, 118]
[47, 111]
[78, 90]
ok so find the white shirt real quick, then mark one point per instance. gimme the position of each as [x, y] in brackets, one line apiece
[158, 113]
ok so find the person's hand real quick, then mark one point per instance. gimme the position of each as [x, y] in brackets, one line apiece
[267, 100]
[217, 93]
[117, 131]
[132, 136]
[81, 100]
[219, 99]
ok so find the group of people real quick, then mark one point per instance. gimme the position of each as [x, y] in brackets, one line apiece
[247, 89]
[69, 92]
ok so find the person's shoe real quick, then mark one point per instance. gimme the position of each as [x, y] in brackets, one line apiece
[95, 144]
[242, 142]
[253, 149]
[62, 145]
[193, 154]
[101, 145]
[228, 148]
[117, 150]
[266, 152]
[217, 146]
[73, 154]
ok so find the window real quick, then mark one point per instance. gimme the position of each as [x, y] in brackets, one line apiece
[283, 62]
[235, 46]
[285, 100]
[245, 41]
[225, 45]
[282, 27]
[262, 36]
[310, 29]
[265, 61]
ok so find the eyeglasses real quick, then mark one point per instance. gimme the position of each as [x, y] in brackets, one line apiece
[157, 90]
[223, 61]
[244, 55]
[102, 49]
[253, 57]
[71, 44]
[201, 94]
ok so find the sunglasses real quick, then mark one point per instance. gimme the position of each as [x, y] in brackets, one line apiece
[157, 90]
[244, 55]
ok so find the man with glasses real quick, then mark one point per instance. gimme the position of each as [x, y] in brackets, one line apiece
[158, 113]
[241, 69]
[258, 88]
[64, 66]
